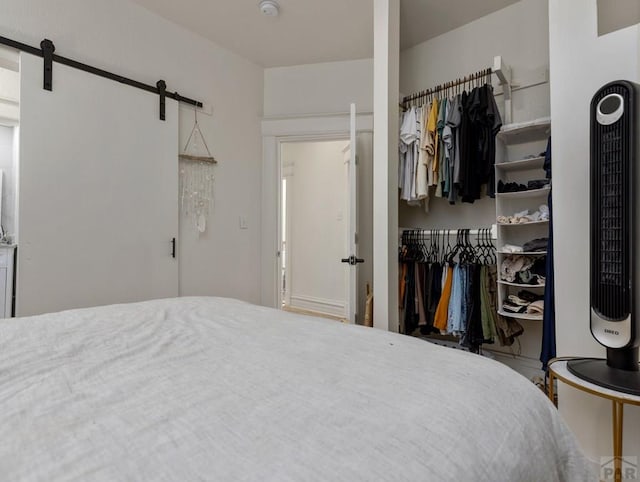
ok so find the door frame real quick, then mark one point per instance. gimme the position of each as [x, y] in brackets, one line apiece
[275, 131]
[306, 139]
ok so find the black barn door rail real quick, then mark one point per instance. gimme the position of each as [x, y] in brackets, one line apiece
[47, 52]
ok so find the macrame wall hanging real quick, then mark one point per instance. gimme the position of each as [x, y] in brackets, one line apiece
[196, 179]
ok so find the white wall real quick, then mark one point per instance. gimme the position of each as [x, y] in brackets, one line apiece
[519, 34]
[7, 158]
[581, 62]
[127, 39]
[9, 95]
[318, 88]
[317, 195]
[616, 14]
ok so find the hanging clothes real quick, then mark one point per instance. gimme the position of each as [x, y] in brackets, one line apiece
[488, 300]
[442, 311]
[452, 292]
[495, 121]
[549, 317]
[431, 145]
[507, 328]
[473, 337]
[442, 110]
[456, 303]
[454, 145]
[422, 187]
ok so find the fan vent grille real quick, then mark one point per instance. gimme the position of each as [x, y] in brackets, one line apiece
[611, 211]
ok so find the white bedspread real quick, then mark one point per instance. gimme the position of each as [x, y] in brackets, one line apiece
[217, 389]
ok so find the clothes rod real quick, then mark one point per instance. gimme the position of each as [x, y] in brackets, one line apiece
[447, 85]
[452, 232]
[48, 48]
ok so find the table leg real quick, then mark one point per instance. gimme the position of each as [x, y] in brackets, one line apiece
[618, 413]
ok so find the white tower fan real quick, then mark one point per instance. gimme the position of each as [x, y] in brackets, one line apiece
[614, 238]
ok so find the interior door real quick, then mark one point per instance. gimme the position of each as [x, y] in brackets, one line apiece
[353, 260]
[98, 192]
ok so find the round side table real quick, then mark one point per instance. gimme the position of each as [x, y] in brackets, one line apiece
[558, 370]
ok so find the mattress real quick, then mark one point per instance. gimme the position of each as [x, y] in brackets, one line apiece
[219, 389]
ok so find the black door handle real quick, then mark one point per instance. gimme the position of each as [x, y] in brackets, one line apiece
[352, 260]
[173, 247]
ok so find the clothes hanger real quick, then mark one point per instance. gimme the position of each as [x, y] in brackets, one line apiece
[457, 250]
[472, 248]
[476, 247]
[466, 247]
[485, 246]
[486, 250]
[494, 259]
[434, 247]
[463, 256]
[418, 246]
[452, 250]
[449, 249]
[423, 247]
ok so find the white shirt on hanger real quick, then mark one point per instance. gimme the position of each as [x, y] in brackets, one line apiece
[408, 136]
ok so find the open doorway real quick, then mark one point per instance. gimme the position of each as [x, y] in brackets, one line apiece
[9, 131]
[314, 195]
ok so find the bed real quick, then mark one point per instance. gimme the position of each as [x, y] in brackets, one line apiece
[218, 389]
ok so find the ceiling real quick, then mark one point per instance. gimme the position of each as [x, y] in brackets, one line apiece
[312, 31]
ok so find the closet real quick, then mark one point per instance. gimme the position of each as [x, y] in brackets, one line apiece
[517, 187]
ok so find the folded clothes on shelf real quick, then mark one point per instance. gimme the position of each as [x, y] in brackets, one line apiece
[537, 184]
[529, 296]
[536, 308]
[512, 248]
[513, 308]
[524, 302]
[504, 187]
[539, 244]
[510, 187]
[524, 217]
[527, 277]
[523, 270]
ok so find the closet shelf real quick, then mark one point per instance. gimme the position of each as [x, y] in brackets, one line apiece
[522, 164]
[522, 316]
[524, 253]
[522, 132]
[519, 285]
[524, 194]
[523, 224]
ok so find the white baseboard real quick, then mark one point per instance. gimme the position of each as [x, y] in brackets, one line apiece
[319, 305]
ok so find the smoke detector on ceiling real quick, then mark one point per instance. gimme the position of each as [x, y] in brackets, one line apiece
[269, 8]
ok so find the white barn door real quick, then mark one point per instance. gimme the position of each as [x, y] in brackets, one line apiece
[98, 192]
